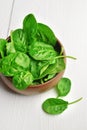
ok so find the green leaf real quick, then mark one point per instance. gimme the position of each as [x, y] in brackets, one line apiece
[6, 65]
[14, 63]
[55, 68]
[30, 26]
[42, 51]
[63, 86]
[45, 34]
[22, 80]
[18, 38]
[54, 106]
[33, 68]
[50, 76]
[10, 48]
[3, 43]
[44, 67]
[22, 60]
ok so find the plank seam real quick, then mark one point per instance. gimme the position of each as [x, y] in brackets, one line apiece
[10, 18]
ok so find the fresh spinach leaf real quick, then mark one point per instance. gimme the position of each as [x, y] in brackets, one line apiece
[3, 43]
[22, 60]
[22, 80]
[18, 39]
[55, 68]
[33, 68]
[46, 35]
[48, 77]
[14, 63]
[54, 106]
[30, 26]
[42, 51]
[43, 67]
[10, 48]
[6, 65]
[63, 86]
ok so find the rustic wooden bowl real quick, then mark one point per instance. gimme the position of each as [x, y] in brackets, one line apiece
[36, 88]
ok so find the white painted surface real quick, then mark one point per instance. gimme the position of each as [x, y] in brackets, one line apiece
[68, 19]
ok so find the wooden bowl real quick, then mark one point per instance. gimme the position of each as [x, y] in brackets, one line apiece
[36, 88]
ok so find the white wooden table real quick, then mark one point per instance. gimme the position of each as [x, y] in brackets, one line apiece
[68, 19]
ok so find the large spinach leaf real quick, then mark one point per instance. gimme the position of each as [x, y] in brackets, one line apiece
[45, 34]
[42, 51]
[30, 26]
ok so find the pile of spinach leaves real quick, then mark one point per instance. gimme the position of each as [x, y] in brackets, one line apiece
[58, 105]
[30, 56]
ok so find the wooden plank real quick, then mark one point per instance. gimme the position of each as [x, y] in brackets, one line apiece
[5, 16]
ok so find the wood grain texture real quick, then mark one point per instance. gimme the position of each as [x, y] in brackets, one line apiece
[68, 19]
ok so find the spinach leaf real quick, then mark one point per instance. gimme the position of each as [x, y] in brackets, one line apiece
[43, 65]
[50, 76]
[45, 34]
[6, 65]
[22, 80]
[54, 106]
[18, 38]
[30, 26]
[64, 86]
[3, 43]
[14, 63]
[22, 60]
[10, 48]
[42, 51]
[55, 68]
[33, 68]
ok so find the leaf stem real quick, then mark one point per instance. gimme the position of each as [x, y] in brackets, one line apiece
[75, 101]
[71, 57]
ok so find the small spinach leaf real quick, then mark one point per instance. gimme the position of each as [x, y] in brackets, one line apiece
[54, 106]
[22, 80]
[64, 86]
[3, 43]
